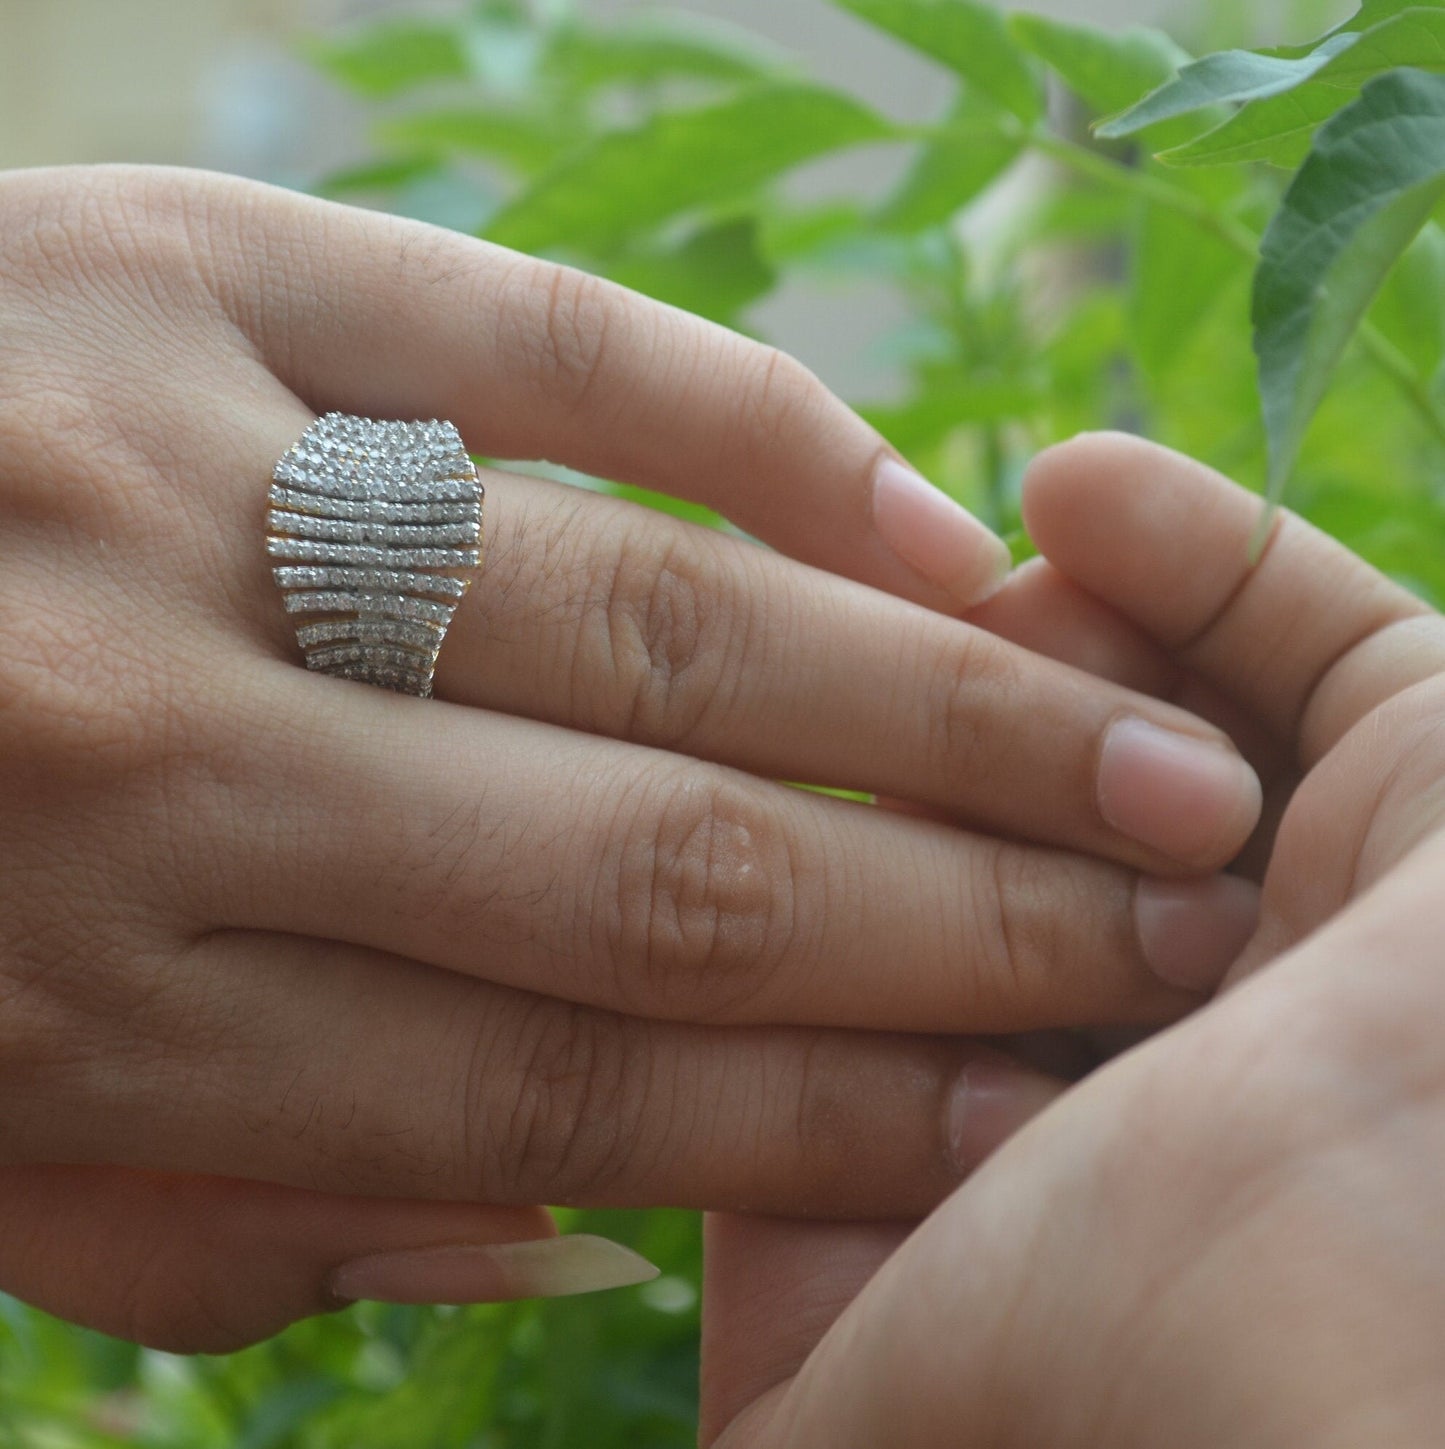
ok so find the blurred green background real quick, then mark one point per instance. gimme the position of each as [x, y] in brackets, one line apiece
[972, 270]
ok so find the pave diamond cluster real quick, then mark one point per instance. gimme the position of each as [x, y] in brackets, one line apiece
[375, 527]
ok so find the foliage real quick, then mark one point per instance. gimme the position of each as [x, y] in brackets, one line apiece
[1117, 291]
[1190, 218]
[622, 1371]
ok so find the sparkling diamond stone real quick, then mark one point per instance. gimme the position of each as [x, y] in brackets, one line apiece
[377, 526]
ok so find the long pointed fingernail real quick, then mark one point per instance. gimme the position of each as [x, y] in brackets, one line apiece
[936, 537]
[1192, 931]
[1194, 800]
[492, 1272]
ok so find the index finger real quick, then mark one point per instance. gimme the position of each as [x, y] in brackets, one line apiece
[378, 315]
[1310, 639]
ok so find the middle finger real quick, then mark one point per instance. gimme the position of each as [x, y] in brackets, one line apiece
[606, 617]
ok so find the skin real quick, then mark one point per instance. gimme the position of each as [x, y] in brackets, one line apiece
[294, 971]
[1229, 1235]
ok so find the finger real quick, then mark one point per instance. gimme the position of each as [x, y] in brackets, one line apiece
[602, 616]
[1310, 639]
[209, 1265]
[1386, 773]
[388, 317]
[1043, 610]
[985, 1301]
[599, 615]
[634, 881]
[773, 1287]
[348, 1071]
[981, 1303]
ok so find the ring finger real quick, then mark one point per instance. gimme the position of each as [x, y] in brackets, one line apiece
[638, 881]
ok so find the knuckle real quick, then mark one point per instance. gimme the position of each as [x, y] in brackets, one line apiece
[29, 1021]
[825, 1117]
[113, 229]
[43, 425]
[76, 703]
[1012, 937]
[669, 637]
[707, 899]
[559, 319]
[968, 679]
[55, 704]
[90, 339]
[86, 493]
[574, 1104]
[779, 396]
[63, 459]
[75, 1005]
[1414, 789]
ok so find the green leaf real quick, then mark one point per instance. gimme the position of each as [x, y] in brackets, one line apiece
[1077, 214]
[392, 56]
[967, 37]
[1369, 15]
[15, 1317]
[1418, 331]
[1106, 69]
[970, 153]
[522, 142]
[1278, 128]
[1376, 173]
[715, 273]
[383, 175]
[626, 182]
[583, 58]
[1414, 37]
[938, 411]
[1179, 276]
[1231, 75]
[277, 1416]
[789, 236]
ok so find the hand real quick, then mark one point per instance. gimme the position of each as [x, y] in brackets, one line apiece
[266, 935]
[1230, 1235]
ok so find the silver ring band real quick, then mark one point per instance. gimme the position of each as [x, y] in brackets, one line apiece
[377, 529]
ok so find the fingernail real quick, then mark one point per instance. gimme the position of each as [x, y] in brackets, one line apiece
[1191, 799]
[936, 537]
[1192, 931]
[492, 1272]
[989, 1101]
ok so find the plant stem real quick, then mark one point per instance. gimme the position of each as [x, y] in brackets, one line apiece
[1108, 172]
[994, 460]
[1147, 186]
[1396, 366]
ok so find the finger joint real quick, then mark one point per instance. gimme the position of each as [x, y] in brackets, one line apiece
[670, 644]
[707, 904]
[573, 1105]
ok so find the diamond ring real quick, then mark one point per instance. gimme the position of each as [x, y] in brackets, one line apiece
[376, 529]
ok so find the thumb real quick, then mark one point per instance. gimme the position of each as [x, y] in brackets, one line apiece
[209, 1265]
[772, 1289]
